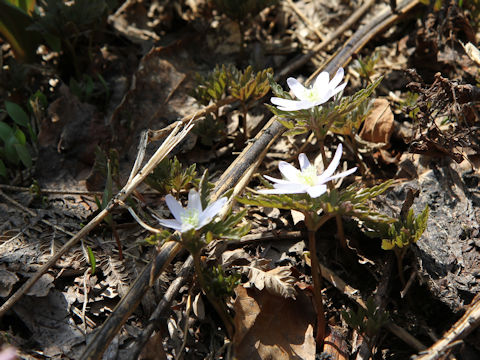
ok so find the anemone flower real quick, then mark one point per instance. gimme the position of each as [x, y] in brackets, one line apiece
[306, 180]
[193, 216]
[322, 90]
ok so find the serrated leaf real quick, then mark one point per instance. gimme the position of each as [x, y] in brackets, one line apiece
[296, 131]
[278, 281]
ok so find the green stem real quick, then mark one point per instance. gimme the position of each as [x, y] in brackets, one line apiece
[217, 305]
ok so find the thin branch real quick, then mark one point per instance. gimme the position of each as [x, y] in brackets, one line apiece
[307, 22]
[464, 326]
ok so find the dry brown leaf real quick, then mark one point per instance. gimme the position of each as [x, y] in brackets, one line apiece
[42, 286]
[235, 257]
[153, 349]
[199, 307]
[378, 125]
[7, 280]
[272, 327]
[278, 281]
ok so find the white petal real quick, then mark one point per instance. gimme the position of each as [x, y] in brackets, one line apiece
[291, 105]
[186, 227]
[291, 188]
[288, 171]
[275, 180]
[297, 88]
[340, 175]
[321, 83]
[333, 165]
[194, 201]
[338, 89]
[336, 79]
[317, 190]
[303, 160]
[175, 207]
[211, 211]
[170, 223]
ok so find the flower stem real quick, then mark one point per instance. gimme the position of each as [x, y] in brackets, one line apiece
[216, 303]
[312, 227]
[399, 255]
[317, 288]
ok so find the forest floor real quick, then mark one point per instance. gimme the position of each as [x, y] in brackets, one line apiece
[139, 65]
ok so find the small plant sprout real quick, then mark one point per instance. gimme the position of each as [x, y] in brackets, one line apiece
[321, 91]
[193, 216]
[306, 180]
[367, 320]
[405, 231]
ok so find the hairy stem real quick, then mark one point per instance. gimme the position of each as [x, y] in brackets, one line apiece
[317, 288]
[312, 226]
[399, 255]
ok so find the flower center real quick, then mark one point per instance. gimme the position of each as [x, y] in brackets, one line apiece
[308, 176]
[191, 217]
[311, 95]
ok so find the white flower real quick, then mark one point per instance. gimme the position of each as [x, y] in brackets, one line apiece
[319, 93]
[306, 180]
[193, 216]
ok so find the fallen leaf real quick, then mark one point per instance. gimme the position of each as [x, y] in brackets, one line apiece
[199, 307]
[235, 257]
[42, 286]
[378, 126]
[7, 280]
[272, 327]
[153, 349]
[49, 323]
[278, 281]
[297, 216]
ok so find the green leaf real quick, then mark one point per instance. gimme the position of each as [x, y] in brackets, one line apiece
[6, 132]
[20, 135]
[26, 5]
[14, 24]
[3, 169]
[24, 155]
[10, 150]
[92, 260]
[108, 192]
[204, 189]
[17, 113]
